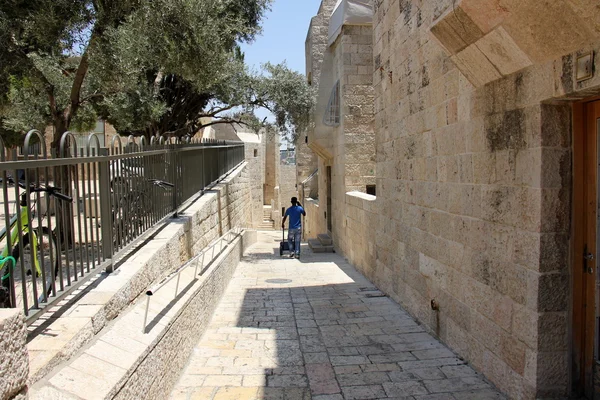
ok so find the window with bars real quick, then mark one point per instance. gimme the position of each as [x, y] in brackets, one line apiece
[332, 113]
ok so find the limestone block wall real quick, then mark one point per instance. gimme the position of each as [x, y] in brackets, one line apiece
[353, 140]
[358, 108]
[287, 184]
[474, 188]
[306, 161]
[13, 353]
[313, 223]
[224, 206]
[271, 166]
[319, 69]
[255, 157]
[361, 214]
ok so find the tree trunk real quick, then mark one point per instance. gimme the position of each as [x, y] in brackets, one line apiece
[64, 181]
[60, 127]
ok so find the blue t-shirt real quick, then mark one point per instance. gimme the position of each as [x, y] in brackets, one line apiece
[295, 213]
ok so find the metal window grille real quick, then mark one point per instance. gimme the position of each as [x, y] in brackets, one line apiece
[332, 113]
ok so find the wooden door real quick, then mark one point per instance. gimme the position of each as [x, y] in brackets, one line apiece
[329, 216]
[586, 128]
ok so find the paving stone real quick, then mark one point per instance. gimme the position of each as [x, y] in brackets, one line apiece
[343, 351]
[254, 380]
[438, 396]
[287, 381]
[399, 376]
[328, 397]
[396, 389]
[429, 373]
[308, 331]
[433, 353]
[483, 394]
[437, 362]
[223, 380]
[270, 393]
[231, 393]
[363, 392]
[316, 358]
[364, 378]
[457, 371]
[375, 349]
[201, 393]
[322, 379]
[391, 357]
[455, 384]
[348, 360]
[385, 367]
[347, 369]
[320, 339]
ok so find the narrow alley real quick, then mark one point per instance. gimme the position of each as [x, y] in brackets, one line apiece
[315, 328]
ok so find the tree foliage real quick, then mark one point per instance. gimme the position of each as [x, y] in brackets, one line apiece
[146, 66]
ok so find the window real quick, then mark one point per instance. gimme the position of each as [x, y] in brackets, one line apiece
[332, 113]
[255, 153]
[371, 189]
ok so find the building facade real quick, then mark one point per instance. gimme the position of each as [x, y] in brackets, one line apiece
[484, 224]
[339, 53]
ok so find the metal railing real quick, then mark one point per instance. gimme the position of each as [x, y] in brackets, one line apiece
[67, 215]
[197, 262]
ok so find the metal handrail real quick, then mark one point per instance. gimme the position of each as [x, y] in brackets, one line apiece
[228, 238]
[311, 176]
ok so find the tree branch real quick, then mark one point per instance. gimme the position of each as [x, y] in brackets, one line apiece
[224, 120]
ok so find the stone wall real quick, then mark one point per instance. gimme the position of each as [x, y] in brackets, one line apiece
[353, 140]
[360, 243]
[223, 206]
[287, 184]
[474, 185]
[313, 223]
[306, 161]
[255, 157]
[358, 108]
[13, 355]
[159, 370]
[271, 166]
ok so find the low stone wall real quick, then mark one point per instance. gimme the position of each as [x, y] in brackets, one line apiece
[14, 362]
[314, 222]
[224, 206]
[360, 239]
[161, 367]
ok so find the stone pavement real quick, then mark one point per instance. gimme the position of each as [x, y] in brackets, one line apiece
[315, 328]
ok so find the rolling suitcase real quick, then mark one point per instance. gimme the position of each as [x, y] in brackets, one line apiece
[283, 245]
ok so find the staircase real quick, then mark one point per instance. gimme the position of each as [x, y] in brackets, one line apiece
[267, 223]
[322, 244]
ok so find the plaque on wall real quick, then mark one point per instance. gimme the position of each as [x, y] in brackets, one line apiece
[584, 66]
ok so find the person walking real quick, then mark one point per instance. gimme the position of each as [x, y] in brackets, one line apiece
[295, 212]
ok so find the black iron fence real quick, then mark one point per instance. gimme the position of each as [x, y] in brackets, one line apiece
[69, 214]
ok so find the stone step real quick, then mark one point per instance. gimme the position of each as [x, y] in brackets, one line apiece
[316, 246]
[325, 239]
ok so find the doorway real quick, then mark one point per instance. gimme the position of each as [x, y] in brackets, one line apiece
[586, 318]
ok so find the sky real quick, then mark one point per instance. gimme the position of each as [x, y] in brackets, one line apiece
[284, 34]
